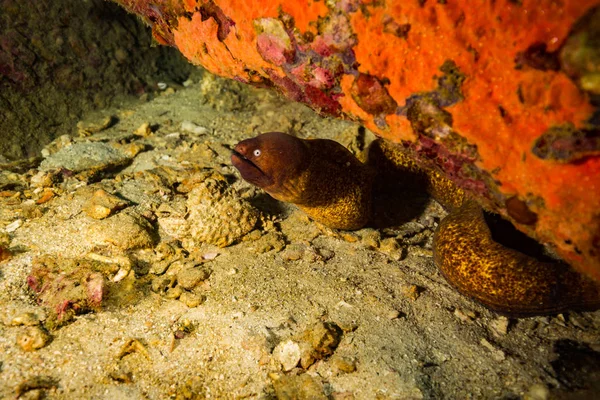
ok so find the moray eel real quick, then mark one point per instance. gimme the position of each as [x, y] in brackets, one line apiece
[320, 176]
[334, 188]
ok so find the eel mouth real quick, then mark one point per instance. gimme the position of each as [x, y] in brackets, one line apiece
[249, 170]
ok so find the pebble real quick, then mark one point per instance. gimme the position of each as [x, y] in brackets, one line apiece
[26, 318]
[391, 247]
[537, 391]
[103, 204]
[189, 126]
[86, 156]
[500, 325]
[13, 226]
[189, 278]
[89, 128]
[192, 299]
[343, 364]
[412, 292]
[464, 316]
[33, 338]
[144, 130]
[133, 346]
[287, 353]
[288, 387]
[123, 230]
[44, 179]
[318, 342]
[497, 354]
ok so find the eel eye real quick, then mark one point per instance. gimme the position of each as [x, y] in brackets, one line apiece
[256, 153]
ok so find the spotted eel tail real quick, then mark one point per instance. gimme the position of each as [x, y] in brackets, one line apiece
[502, 278]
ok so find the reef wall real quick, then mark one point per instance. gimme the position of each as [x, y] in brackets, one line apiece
[501, 95]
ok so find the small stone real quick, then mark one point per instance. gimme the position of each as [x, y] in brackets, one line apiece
[391, 247]
[497, 354]
[13, 226]
[465, 315]
[318, 342]
[393, 314]
[343, 364]
[123, 230]
[161, 284]
[5, 254]
[45, 179]
[342, 396]
[192, 299]
[189, 126]
[174, 293]
[500, 325]
[287, 353]
[47, 195]
[268, 242]
[103, 204]
[33, 338]
[27, 318]
[349, 237]
[89, 128]
[133, 346]
[293, 252]
[216, 213]
[371, 239]
[413, 292]
[96, 156]
[189, 278]
[211, 255]
[537, 391]
[144, 130]
[288, 387]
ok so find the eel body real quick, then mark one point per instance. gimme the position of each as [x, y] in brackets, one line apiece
[334, 188]
[320, 176]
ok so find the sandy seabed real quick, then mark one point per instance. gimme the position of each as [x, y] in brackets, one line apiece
[132, 295]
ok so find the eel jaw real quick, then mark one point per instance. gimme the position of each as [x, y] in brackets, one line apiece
[250, 171]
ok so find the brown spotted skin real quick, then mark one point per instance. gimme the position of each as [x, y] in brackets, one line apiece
[502, 278]
[328, 183]
[499, 277]
[320, 176]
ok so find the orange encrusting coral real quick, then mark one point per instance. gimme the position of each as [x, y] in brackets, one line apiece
[500, 108]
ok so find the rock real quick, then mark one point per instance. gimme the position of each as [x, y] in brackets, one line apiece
[103, 204]
[190, 277]
[144, 130]
[500, 325]
[26, 318]
[498, 354]
[85, 128]
[192, 299]
[318, 342]
[189, 126]
[343, 364]
[268, 242]
[413, 292]
[45, 179]
[68, 287]
[297, 387]
[33, 338]
[293, 252]
[123, 230]
[287, 353]
[217, 214]
[85, 156]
